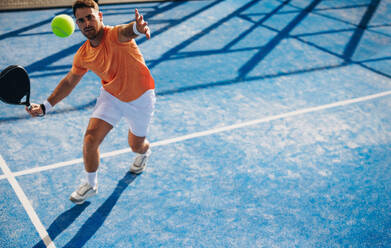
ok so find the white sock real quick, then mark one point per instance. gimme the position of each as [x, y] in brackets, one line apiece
[92, 178]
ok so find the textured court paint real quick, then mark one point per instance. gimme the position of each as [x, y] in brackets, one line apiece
[273, 95]
[26, 204]
[319, 179]
[272, 192]
[16, 229]
[209, 132]
[192, 26]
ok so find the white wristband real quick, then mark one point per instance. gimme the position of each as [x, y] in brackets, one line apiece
[135, 31]
[48, 106]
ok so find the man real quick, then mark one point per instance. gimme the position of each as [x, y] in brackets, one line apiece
[127, 91]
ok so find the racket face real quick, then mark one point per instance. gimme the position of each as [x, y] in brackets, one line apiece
[14, 85]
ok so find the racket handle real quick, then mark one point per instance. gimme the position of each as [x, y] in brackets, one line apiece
[29, 107]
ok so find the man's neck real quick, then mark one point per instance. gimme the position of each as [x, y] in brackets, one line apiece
[96, 41]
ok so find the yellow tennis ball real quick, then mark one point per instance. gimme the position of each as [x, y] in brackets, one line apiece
[63, 25]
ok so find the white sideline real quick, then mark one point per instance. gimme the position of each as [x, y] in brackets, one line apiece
[26, 204]
[211, 131]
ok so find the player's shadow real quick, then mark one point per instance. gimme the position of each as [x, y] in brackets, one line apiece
[94, 222]
[63, 221]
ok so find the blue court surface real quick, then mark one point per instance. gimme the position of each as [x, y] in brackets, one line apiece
[272, 129]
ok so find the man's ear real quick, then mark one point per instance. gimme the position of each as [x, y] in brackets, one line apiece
[100, 16]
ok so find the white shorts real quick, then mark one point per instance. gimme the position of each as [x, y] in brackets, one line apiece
[138, 113]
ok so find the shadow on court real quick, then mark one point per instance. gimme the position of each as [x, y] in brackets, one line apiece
[93, 223]
[63, 221]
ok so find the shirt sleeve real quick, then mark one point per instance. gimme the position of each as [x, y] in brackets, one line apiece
[131, 45]
[114, 36]
[77, 66]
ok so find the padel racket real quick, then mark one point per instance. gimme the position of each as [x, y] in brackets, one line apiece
[15, 85]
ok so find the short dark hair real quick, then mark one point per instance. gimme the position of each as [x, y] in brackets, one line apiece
[78, 4]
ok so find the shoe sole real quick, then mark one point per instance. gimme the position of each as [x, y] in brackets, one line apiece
[139, 171]
[79, 202]
[76, 201]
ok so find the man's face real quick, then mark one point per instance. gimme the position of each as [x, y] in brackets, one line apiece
[89, 21]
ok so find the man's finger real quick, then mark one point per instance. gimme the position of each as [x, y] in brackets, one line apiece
[137, 16]
[142, 25]
[148, 33]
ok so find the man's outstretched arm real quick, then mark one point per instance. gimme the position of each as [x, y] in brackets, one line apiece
[133, 29]
[63, 89]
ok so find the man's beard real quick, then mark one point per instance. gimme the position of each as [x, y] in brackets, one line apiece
[90, 33]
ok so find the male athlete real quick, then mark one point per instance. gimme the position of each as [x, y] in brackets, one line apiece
[127, 91]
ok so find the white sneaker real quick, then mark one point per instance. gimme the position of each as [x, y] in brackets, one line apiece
[140, 162]
[82, 193]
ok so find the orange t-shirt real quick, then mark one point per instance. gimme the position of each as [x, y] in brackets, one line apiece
[121, 66]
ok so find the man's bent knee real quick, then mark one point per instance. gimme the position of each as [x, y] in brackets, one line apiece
[91, 143]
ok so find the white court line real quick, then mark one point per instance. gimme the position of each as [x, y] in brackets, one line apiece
[213, 131]
[26, 204]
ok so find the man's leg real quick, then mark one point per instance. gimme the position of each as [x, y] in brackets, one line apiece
[138, 114]
[139, 145]
[96, 131]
